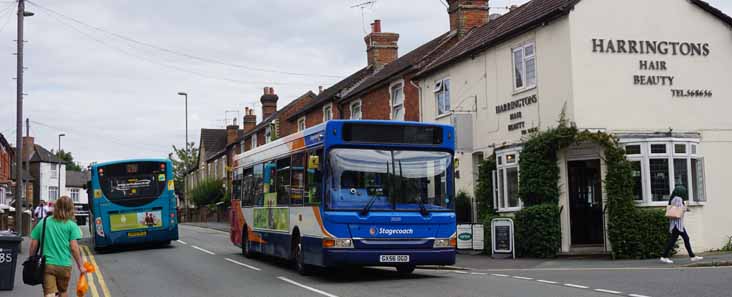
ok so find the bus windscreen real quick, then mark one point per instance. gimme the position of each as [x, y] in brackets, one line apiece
[132, 184]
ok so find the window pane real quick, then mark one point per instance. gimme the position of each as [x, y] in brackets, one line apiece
[529, 50]
[315, 177]
[518, 68]
[658, 148]
[398, 113]
[283, 182]
[693, 149]
[681, 173]
[697, 179]
[633, 149]
[680, 148]
[298, 179]
[530, 71]
[396, 95]
[510, 159]
[446, 94]
[269, 183]
[500, 189]
[512, 187]
[637, 180]
[659, 179]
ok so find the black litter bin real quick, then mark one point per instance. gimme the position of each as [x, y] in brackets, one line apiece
[9, 246]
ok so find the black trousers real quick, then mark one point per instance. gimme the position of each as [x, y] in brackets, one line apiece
[672, 241]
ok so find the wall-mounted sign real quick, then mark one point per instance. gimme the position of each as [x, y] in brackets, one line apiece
[464, 237]
[654, 72]
[517, 104]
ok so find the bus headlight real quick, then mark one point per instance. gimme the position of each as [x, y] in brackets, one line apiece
[445, 243]
[338, 243]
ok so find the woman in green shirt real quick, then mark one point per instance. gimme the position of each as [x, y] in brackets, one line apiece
[59, 245]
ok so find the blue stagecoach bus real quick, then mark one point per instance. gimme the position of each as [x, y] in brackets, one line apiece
[349, 193]
[132, 202]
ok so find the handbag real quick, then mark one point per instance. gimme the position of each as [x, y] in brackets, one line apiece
[674, 212]
[35, 266]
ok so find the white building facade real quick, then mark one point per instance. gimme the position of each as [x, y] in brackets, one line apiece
[48, 181]
[655, 73]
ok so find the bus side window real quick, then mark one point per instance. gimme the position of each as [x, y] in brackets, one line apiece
[314, 177]
[258, 185]
[248, 188]
[283, 182]
[297, 183]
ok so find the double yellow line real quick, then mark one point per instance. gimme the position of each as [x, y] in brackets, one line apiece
[87, 256]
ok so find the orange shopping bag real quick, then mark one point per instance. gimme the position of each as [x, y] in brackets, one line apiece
[83, 286]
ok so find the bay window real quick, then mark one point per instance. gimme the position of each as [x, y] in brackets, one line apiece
[659, 165]
[506, 181]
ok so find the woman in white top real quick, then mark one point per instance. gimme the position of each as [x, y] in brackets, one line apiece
[676, 226]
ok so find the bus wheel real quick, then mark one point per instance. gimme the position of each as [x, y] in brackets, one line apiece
[246, 248]
[299, 255]
[405, 269]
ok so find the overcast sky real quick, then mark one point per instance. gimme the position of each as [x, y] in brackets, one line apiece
[115, 98]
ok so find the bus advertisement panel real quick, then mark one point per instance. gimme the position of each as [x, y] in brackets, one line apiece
[364, 193]
[132, 202]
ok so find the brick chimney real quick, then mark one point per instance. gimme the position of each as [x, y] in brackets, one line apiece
[269, 102]
[467, 14]
[28, 147]
[232, 133]
[381, 47]
[250, 119]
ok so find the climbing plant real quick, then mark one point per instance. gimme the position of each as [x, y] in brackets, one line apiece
[484, 187]
[633, 233]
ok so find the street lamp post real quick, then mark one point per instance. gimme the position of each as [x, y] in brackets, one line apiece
[185, 162]
[58, 192]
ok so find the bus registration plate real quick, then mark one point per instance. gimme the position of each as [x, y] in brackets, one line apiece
[394, 258]
[136, 234]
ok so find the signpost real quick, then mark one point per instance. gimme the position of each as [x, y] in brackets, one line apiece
[502, 238]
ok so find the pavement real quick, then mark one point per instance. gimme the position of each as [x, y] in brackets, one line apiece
[204, 263]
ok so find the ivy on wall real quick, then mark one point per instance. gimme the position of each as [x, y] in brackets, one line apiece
[633, 233]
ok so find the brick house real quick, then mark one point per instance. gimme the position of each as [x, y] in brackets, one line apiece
[6, 157]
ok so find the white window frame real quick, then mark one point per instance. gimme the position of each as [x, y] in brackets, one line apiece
[301, 124]
[268, 133]
[438, 91]
[360, 110]
[54, 170]
[53, 189]
[254, 141]
[327, 112]
[669, 155]
[524, 58]
[74, 194]
[502, 187]
[397, 85]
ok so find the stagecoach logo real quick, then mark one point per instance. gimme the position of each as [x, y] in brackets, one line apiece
[384, 231]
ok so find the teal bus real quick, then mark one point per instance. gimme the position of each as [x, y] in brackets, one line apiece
[132, 202]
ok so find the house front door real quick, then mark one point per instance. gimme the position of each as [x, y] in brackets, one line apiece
[585, 202]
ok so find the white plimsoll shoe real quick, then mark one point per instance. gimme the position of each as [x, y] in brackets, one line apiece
[697, 258]
[666, 260]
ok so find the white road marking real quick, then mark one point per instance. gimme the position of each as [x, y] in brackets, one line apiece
[522, 277]
[501, 275]
[181, 242]
[577, 286]
[608, 291]
[545, 281]
[461, 272]
[636, 295]
[306, 287]
[242, 264]
[478, 273]
[203, 250]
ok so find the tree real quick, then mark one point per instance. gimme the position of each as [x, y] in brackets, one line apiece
[183, 161]
[68, 159]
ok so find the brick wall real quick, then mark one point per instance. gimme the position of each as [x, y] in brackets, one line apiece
[5, 162]
[376, 103]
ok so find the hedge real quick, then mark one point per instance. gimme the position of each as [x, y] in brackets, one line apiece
[208, 192]
[538, 231]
